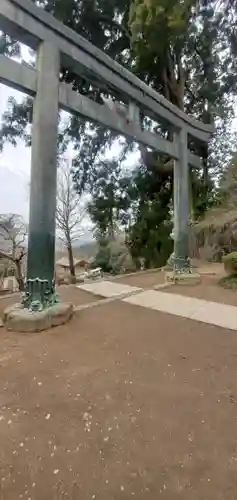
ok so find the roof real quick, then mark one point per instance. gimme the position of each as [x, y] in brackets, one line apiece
[64, 262]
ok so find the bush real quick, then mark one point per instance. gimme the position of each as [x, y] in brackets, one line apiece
[230, 263]
[102, 259]
[229, 282]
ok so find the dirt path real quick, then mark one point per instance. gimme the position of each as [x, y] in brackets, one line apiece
[76, 296]
[121, 403]
[70, 294]
[142, 280]
[208, 289]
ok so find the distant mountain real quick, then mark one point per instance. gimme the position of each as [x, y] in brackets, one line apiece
[85, 238]
[88, 249]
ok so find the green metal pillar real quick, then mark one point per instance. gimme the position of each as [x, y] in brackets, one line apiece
[40, 286]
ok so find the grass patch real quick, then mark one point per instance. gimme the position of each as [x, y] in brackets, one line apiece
[229, 282]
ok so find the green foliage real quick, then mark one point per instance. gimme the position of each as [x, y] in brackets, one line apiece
[148, 234]
[113, 257]
[202, 196]
[152, 17]
[8, 46]
[15, 120]
[154, 246]
[102, 258]
[227, 189]
[222, 148]
[109, 203]
[229, 282]
[219, 225]
[159, 30]
[230, 263]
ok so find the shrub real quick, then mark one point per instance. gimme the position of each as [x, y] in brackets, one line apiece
[102, 259]
[230, 263]
[229, 282]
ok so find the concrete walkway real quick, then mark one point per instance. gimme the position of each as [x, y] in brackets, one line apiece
[213, 313]
[221, 315]
[109, 289]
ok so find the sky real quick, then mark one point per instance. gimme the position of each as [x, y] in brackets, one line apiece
[15, 173]
[14, 168]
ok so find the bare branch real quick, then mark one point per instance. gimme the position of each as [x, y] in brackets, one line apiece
[12, 236]
[4, 255]
[70, 212]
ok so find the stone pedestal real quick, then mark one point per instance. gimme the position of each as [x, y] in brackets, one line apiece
[19, 319]
[176, 278]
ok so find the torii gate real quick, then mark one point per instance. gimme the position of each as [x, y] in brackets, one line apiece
[56, 44]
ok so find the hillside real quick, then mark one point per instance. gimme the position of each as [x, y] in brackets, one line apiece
[84, 251]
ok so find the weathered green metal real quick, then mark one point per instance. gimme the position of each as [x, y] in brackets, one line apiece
[40, 289]
[39, 294]
[180, 265]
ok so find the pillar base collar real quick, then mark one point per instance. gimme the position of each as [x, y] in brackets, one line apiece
[39, 294]
[179, 265]
[180, 278]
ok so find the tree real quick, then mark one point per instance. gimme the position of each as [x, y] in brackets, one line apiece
[109, 212]
[218, 228]
[184, 50]
[109, 205]
[227, 189]
[70, 212]
[194, 62]
[148, 233]
[13, 232]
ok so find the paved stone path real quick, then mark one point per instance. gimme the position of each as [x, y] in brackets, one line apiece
[109, 288]
[204, 311]
[213, 313]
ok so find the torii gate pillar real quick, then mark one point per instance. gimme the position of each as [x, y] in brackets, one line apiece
[180, 260]
[43, 185]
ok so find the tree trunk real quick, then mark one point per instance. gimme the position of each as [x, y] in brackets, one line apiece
[19, 276]
[70, 259]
